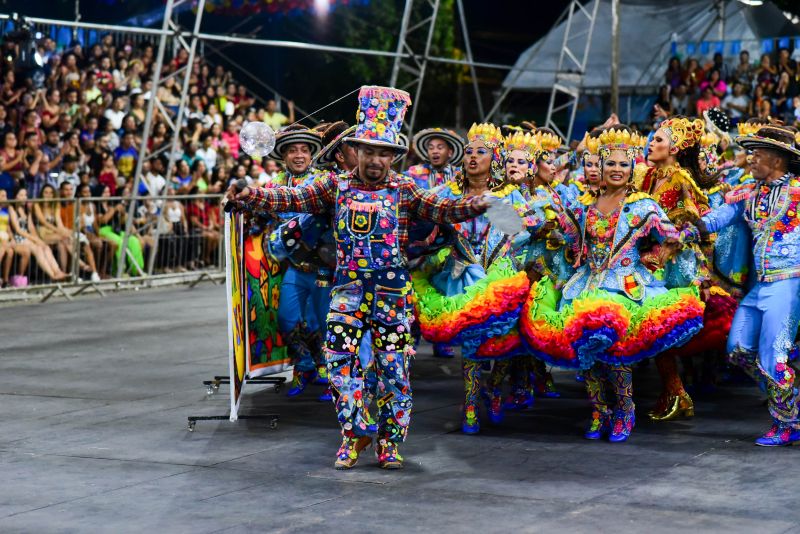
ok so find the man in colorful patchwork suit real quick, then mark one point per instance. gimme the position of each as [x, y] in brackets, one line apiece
[763, 331]
[373, 209]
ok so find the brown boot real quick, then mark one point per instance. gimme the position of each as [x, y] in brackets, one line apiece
[347, 457]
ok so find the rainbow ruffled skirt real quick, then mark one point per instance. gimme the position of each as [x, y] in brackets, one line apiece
[485, 312]
[606, 327]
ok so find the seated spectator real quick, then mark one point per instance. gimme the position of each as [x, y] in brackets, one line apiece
[116, 113]
[760, 106]
[173, 235]
[69, 172]
[24, 229]
[766, 73]
[109, 175]
[54, 150]
[152, 182]
[693, 75]
[737, 104]
[125, 156]
[707, 101]
[91, 92]
[112, 218]
[88, 227]
[716, 83]
[182, 178]
[207, 152]
[202, 224]
[9, 247]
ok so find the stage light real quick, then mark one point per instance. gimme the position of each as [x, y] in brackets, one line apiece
[322, 7]
[752, 3]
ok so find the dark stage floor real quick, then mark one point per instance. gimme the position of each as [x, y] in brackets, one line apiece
[95, 395]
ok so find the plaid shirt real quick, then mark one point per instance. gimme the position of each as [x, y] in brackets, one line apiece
[320, 196]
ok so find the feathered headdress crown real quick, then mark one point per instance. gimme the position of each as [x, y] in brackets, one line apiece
[486, 132]
[630, 142]
[591, 144]
[683, 133]
[547, 141]
[525, 142]
[748, 129]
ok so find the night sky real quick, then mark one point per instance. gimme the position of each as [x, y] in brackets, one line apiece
[500, 31]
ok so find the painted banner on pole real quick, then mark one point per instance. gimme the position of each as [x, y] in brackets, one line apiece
[237, 349]
[266, 352]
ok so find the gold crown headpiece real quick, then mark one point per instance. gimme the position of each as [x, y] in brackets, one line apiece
[748, 129]
[631, 142]
[488, 133]
[683, 133]
[591, 144]
[525, 142]
[547, 141]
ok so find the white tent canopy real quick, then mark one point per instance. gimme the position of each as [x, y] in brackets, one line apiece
[647, 27]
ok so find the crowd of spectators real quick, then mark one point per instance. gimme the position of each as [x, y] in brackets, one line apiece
[768, 88]
[77, 131]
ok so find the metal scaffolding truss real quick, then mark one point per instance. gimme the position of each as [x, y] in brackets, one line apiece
[182, 75]
[413, 51]
[411, 56]
[572, 64]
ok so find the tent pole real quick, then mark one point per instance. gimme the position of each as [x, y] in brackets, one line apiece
[615, 57]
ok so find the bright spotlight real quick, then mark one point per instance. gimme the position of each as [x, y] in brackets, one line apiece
[752, 2]
[322, 7]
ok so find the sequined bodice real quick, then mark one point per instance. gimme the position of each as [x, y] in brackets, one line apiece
[600, 230]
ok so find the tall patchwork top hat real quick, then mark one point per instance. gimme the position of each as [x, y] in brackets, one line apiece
[296, 134]
[423, 137]
[380, 116]
[774, 138]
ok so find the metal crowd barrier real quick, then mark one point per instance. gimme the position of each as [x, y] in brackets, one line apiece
[68, 246]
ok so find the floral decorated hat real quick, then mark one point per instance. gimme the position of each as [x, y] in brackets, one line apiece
[296, 134]
[380, 116]
[774, 138]
[333, 137]
[423, 137]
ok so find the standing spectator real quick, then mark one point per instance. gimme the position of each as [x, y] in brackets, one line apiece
[231, 137]
[274, 118]
[737, 105]
[673, 75]
[125, 156]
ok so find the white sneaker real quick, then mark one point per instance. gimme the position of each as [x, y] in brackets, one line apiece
[95, 277]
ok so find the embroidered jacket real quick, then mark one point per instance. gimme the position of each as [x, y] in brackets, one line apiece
[607, 246]
[320, 196]
[770, 212]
